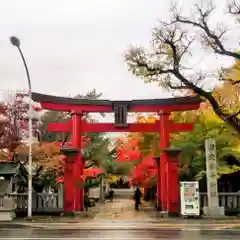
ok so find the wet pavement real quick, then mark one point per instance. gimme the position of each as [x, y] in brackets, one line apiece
[120, 209]
[171, 234]
[119, 220]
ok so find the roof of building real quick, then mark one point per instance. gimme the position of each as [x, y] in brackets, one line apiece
[7, 168]
[11, 168]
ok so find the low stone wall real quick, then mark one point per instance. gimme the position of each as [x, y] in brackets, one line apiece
[7, 210]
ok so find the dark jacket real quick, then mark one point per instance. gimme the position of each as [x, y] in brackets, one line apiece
[137, 195]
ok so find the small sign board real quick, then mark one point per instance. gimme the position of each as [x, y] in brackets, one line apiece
[190, 198]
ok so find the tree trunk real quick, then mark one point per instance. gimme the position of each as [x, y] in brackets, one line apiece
[102, 194]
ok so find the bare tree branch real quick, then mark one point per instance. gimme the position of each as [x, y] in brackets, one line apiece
[210, 37]
[234, 8]
[172, 44]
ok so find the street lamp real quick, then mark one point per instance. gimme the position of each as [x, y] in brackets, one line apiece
[16, 43]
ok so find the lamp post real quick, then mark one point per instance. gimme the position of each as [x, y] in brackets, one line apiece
[16, 43]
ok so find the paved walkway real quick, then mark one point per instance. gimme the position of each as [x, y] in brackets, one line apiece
[120, 214]
[120, 209]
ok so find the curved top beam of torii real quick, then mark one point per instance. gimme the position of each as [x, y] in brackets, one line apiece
[87, 105]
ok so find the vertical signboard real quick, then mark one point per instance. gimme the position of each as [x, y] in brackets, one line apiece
[190, 202]
[211, 168]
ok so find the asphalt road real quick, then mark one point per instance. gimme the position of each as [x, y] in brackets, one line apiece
[150, 234]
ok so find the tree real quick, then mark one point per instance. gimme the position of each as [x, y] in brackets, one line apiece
[141, 170]
[48, 163]
[192, 144]
[14, 121]
[174, 42]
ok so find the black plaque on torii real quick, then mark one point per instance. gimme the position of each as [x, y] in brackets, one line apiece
[120, 109]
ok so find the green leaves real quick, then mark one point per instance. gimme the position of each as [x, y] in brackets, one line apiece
[207, 125]
[193, 143]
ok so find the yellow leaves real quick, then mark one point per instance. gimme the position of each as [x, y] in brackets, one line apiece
[150, 118]
[227, 94]
[185, 117]
[232, 73]
[112, 178]
[4, 155]
[207, 115]
[227, 170]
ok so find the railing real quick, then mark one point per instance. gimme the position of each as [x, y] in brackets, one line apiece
[53, 202]
[230, 201]
[41, 202]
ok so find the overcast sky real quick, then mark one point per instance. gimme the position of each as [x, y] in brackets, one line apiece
[73, 46]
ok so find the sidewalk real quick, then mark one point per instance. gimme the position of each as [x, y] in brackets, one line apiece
[120, 209]
[120, 214]
[124, 225]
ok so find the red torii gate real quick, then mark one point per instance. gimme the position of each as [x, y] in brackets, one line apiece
[168, 197]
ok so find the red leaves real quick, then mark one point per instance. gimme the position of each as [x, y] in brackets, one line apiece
[60, 180]
[14, 128]
[144, 169]
[85, 141]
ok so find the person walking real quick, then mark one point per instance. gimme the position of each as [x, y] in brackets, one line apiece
[87, 202]
[111, 194]
[137, 198]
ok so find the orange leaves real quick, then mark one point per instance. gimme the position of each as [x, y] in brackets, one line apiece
[92, 172]
[127, 149]
[88, 173]
[48, 155]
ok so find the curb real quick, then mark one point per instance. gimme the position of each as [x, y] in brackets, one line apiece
[19, 226]
[112, 226]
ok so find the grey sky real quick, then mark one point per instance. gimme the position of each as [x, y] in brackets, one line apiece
[73, 46]
[76, 45]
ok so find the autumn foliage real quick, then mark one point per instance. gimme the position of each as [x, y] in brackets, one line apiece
[143, 168]
[14, 123]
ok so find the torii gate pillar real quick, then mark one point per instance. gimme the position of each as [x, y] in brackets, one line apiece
[162, 185]
[78, 162]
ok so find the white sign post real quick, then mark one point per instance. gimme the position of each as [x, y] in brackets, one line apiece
[213, 208]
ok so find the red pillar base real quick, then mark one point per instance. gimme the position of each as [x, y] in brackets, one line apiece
[79, 188]
[68, 181]
[173, 199]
